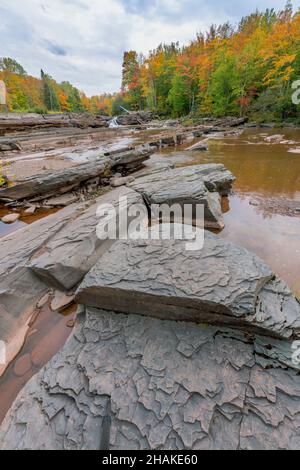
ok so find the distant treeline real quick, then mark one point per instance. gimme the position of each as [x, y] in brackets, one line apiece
[246, 69]
[44, 95]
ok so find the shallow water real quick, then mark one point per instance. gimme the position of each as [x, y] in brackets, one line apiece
[46, 336]
[24, 220]
[265, 172]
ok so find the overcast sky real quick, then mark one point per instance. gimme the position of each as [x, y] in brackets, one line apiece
[83, 40]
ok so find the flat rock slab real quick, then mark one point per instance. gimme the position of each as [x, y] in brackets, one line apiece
[137, 383]
[201, 184]
[64, 261]
[50, 181]
[221, 284]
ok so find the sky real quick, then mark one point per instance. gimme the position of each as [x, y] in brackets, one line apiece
[83, 41]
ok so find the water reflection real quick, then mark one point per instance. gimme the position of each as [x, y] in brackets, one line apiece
[262, 214]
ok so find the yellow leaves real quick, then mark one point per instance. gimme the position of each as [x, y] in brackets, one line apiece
[281, 70]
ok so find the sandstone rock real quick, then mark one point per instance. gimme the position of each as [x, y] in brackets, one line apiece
[222, 284]
[64, 261]
[10, 218]
[193, 185]
[137, 383]
[61, 300]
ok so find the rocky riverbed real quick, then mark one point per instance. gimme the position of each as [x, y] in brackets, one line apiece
[162, 333]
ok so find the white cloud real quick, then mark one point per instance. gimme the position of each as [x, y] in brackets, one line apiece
[83, 40]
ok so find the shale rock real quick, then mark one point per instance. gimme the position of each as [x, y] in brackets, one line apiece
[50, 181]
[64, 261]
[221, 284]
[131, 382]
[202, 184]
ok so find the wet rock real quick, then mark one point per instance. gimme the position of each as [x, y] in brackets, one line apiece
[202, 184]
[64, 261]
[30, 211]
[220, 284]
[200, 147]
[10, 218]
[61, 301]
[160, 385]
[274, 139]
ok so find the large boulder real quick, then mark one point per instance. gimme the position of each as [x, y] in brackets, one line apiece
[195, 185]
[127, 382]
[220, 284]
[68, 256]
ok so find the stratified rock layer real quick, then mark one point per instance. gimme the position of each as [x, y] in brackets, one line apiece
[219, 284]
[52, 181]
[64, 261]
[131, 382]
[195, 185]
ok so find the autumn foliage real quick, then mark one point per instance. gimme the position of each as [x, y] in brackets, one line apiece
[43, 95]
[244, 70]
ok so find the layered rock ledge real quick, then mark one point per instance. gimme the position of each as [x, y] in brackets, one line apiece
[200, 184]
[48, 183]
[221, 284]
[135, 376]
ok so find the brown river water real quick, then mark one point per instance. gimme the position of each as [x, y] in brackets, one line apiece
[262, 214]
[258, 214]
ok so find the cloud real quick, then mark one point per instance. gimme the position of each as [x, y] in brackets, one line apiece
[83, 41]
[56, 50]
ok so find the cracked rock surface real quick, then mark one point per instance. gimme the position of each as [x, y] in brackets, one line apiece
[220, 284]
[131, 382]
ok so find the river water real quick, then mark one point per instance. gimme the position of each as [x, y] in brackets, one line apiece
[261, 214]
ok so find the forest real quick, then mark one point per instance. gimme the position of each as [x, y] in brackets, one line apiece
[245, 69]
